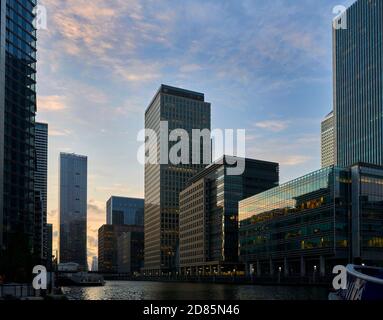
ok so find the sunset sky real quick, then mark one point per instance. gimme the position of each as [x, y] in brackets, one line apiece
[265, 66]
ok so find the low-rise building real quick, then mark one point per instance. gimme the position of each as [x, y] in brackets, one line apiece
[108, 245]
[306, 226]
[130, 247]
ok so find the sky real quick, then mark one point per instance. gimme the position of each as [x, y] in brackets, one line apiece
[265, 66]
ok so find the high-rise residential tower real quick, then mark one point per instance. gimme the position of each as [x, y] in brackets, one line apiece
[327, 141]
[358, 83]
[17, 121]
[41, 185]
[73, 209]
[177, 109]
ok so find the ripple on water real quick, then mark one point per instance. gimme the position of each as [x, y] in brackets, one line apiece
[142, 290]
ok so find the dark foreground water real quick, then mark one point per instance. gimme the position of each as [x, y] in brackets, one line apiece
[142, 290]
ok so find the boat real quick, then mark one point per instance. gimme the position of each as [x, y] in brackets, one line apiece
[363, 283]
[82, 279]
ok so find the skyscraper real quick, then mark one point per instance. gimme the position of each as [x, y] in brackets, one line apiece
[180, 109]
[41, 178]
[17, 121]
[327, 141]
[122, 210]
[73, 209]
[358, 83]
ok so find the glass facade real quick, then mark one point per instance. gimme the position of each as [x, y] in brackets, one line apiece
[17, 114]
[122, 210]
[358, 85]
[41, 180]
[73, 209]
[298, 217]
[109, 253]
[209, 213]
[182, 109]
[130, 247]
[367, 213]
[323, 218]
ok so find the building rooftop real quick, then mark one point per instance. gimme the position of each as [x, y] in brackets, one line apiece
[67, 154]
[179, 92]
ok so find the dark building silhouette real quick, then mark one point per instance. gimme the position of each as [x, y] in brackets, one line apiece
[17, 123]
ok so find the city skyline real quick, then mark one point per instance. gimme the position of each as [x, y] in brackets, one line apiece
[267, 83]
[191, 150]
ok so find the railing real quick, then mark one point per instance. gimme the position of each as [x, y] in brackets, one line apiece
[17, 291]
[357, 272]
[238, 279]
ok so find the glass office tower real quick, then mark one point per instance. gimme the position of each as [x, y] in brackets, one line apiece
[209, 214]
[73, 209]
[122, 210]
[41, 182]
[358, 84]
[181, 109]
[17, 120]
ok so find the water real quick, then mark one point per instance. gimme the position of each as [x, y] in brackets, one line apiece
[142, 290]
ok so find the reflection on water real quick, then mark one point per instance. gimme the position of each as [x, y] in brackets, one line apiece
[141, 290]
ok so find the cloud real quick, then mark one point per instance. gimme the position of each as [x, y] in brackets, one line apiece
[272, 125]
[59, 132]
[294, 160]
[190, 68]
[51, 103]
[95, 209]
[92, 241]
[53, 213]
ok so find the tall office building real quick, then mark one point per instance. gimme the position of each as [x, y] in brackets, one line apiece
[328, 141]
[41, 185]
[209, 214]
[181, 109]
[73, 209]
[122, 210]
[358, 82]
[17, 121]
